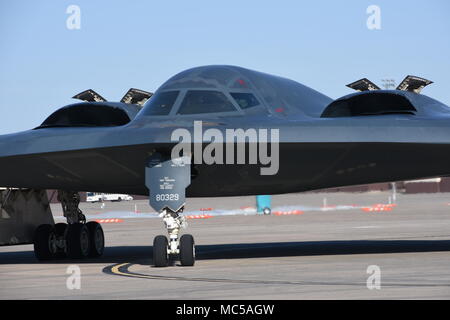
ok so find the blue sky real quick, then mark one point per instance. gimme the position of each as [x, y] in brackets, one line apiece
[123, 44]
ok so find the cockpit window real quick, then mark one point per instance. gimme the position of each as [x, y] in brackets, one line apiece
[245, 100]
[160, 104]
[205, 101]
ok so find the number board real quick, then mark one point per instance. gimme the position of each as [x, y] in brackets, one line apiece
[167, 181]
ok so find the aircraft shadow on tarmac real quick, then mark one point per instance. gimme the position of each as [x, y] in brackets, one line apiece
[120, 254]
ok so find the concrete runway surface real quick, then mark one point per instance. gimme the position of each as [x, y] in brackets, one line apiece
[320, 254]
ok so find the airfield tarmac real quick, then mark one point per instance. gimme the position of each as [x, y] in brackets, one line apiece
[320, 254]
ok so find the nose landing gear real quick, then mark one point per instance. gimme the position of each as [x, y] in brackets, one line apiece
[165, 249]
[167, 180]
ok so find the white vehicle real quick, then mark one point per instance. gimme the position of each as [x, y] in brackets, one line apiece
[116, 197]
[99, 197]
[94, 197]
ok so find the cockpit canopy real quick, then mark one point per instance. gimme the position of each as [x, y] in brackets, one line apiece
[199, 102]
[228, 90]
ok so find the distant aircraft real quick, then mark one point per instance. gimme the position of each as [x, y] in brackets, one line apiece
[236, 132]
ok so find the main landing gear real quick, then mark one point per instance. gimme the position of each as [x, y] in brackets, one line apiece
[75, 239]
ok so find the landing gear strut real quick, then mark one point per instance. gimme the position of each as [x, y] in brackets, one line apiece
[75, 240]
[167, 180]
[164, 249]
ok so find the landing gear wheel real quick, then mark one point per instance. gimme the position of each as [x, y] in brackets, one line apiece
[77, 241]
[96, 239]
[160, 251]
[187, 250]
[45, 242]
[60, 232]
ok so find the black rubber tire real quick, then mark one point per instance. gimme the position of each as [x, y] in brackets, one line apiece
[96, 239]
[77, 241]
[187, 250]
[60, 229]
[44, 249]
[160, 255]
[60, 232]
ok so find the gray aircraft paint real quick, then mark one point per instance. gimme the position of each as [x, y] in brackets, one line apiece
[315, 152]
[167, 180]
